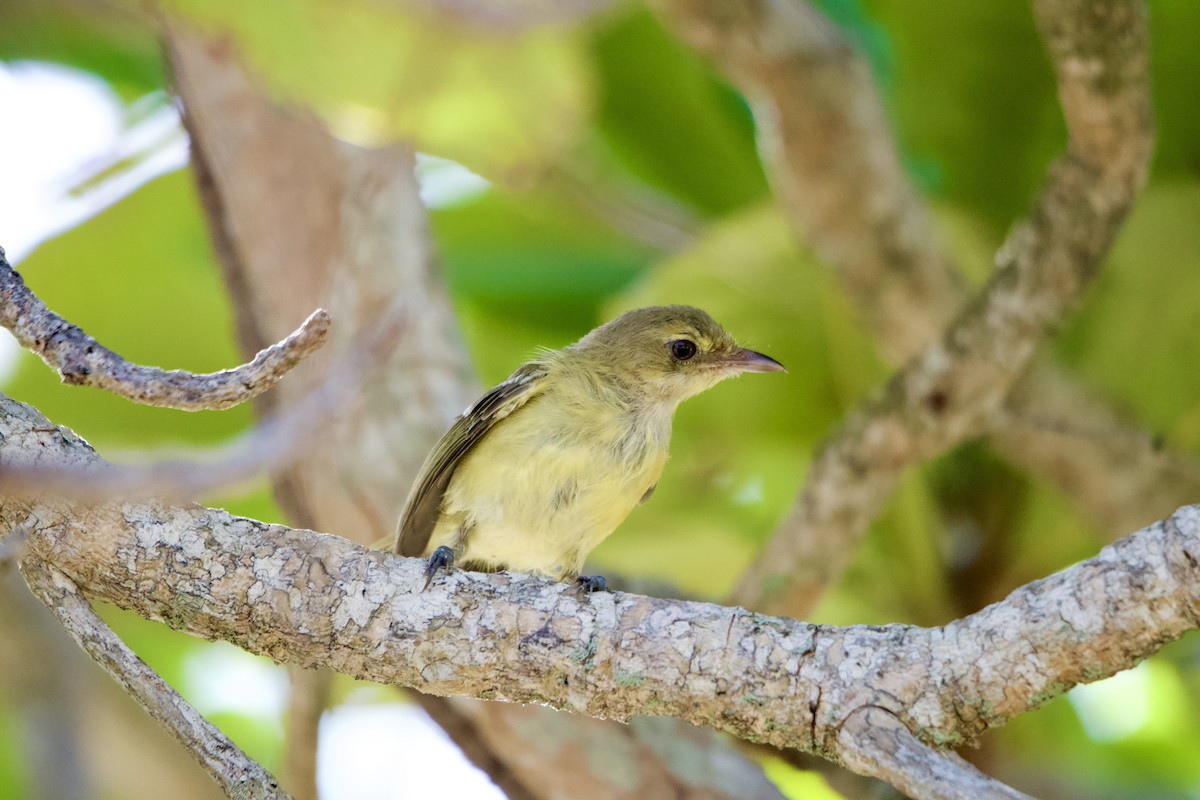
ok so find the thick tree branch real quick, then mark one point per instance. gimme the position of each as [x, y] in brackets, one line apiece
[238, 775]
[317, 600]
[81, 360]
[949, 392]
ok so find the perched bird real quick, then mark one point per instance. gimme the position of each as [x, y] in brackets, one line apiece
[548, 463]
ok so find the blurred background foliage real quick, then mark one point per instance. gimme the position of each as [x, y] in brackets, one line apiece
[622, 171]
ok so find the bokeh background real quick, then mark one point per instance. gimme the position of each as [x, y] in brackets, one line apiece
[580, 160]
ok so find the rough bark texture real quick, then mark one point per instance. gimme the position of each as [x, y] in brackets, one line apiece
[879, 744]
[320, 601]
[239, 776]
[81, 360]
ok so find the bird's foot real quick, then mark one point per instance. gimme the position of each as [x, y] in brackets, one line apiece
[442, 558]
[586, 584]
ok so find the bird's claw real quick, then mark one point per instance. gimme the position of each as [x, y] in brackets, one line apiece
[586, 584]
[442, 558]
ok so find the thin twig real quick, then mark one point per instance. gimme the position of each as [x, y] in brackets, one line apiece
[273, 443]
[81, 360]
[238, 775]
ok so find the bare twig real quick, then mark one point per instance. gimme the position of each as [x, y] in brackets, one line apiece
[950, 391]
[637, 212]
[81, 360]
[238, 775]
[273, 443]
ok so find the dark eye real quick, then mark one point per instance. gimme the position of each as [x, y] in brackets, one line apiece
[682, 349]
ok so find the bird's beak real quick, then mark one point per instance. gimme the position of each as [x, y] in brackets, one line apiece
[749, 361]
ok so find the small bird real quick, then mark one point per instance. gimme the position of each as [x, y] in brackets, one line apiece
[547, 464]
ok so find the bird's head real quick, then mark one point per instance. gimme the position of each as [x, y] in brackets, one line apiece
[668, 352]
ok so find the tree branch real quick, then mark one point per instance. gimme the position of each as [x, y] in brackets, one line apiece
[828, 150]
[274, 443]
[878, 744]
[238, 775]
[81, 360]
[316, 600]
[950, 391]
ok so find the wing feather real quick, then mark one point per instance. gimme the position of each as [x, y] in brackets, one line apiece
[424, 504]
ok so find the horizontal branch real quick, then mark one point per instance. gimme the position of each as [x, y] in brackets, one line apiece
[320, 601]
[81, 360]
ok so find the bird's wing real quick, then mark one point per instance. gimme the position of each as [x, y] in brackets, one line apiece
[423, 507]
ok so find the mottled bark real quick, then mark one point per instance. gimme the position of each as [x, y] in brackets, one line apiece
[83, 361]
[239, 776]
[320, 601]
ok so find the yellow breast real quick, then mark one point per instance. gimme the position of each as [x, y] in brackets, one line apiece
[543, 489]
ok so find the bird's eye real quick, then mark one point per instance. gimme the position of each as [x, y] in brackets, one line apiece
[682, 349]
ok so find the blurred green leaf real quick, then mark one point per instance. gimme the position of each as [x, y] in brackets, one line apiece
[115, 43]
[1137, 308]
[13, 777]
[798, 784]
[974, 95]
[1173, 26]
[503, 102]
[671, 120]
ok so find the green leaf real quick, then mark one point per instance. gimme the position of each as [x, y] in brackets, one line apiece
[502, 102]
[672, 121]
